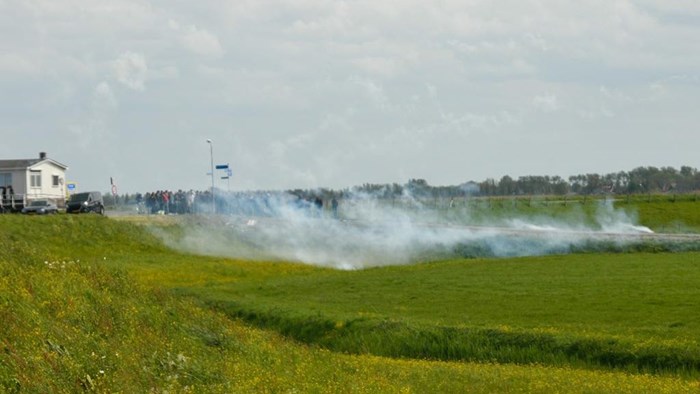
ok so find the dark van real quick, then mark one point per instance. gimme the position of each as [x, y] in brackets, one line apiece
[86, 202]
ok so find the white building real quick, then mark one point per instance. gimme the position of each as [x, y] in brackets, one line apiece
[25, 180]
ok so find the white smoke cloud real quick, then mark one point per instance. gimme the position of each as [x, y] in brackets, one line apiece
[375, 232]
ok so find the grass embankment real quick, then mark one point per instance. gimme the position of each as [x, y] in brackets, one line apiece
[101, 321]
[671, 217]
[661, 213]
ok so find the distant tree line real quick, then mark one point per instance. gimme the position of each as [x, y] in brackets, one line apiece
[641, 180]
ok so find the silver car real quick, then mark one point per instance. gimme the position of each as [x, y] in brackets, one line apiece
[40, 207]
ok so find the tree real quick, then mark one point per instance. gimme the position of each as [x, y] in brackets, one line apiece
[507, 186]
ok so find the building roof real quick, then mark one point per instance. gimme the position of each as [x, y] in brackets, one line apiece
[24, 163]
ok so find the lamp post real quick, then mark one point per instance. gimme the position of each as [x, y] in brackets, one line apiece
[211, 155]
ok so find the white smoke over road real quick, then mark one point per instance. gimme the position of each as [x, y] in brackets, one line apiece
[369, 232]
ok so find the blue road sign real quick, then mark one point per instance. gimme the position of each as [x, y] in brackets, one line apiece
[70, 186]
[221, 166]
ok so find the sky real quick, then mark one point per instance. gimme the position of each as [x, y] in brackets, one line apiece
[311, 93]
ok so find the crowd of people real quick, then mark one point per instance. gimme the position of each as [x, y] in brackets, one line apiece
[237, 203]
[169, 202]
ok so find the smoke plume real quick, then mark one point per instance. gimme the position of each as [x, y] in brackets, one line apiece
[365, 231]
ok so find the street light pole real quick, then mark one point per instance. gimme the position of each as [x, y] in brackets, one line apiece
[211, 155]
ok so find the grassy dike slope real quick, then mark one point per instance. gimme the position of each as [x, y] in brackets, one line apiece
[81, 309]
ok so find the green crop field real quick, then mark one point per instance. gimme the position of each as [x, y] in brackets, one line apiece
[96, 304]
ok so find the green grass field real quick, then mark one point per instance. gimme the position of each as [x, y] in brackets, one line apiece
[95, 304]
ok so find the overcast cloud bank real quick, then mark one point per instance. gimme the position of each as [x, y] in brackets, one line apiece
[334, 94]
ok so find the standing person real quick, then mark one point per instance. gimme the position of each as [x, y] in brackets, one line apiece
[190, 201]
[138, 198]
[157, 198]
[334, 207]
[151, 203]
[147, 202]
[11, 193]
[318, 202]
[177, 198]
[166, 202]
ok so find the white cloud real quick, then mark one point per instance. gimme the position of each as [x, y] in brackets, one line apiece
[355, 82]
[166, 72]
[377, 65]
[432, 90]
[373, 91]
[601, 112]
[201, 42]
[616, 95]
[547, 102]
[13, 63]
[103, 92]
[131, 70]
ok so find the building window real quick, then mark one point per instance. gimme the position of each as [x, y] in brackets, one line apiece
[5, 179]
[54, 181]
[35, 180]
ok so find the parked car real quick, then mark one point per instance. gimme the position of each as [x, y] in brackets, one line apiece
[86, 202]
[40, 207]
